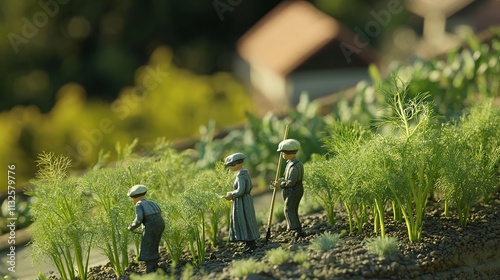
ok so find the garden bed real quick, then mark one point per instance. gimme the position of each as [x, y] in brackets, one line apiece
[447, 251]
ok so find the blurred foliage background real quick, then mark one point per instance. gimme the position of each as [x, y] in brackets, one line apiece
[46, 44]
[80, 76]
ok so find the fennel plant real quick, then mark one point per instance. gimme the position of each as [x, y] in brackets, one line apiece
[318, 182]
[61, 212]
[416, 153]
[112, 213]
[471, 152]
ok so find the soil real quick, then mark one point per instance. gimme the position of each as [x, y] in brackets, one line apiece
[446, 251]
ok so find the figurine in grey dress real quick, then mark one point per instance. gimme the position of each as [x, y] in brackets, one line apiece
[243, 224]
[293, 190]
[147, 213]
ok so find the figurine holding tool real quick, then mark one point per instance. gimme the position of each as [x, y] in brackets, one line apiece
[291, 183]
[243, 224]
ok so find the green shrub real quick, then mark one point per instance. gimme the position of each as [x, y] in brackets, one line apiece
[299, 257]
[243, 268]
[279, 256]
[309, 205]
[382, 246]
[158, 275]
[96, 210]
[342, 183]
[415, 154]
[112, 213]
[187, 272]
[470, 153]
[319, 184]
[325, 242]
[63, 210]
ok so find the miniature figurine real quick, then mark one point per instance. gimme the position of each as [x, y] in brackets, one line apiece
[147, 213]
[243, 224]
[293, 190]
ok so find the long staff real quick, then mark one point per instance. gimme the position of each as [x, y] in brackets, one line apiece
[270, 219]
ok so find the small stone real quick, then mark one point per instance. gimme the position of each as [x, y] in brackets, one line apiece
[394, 266]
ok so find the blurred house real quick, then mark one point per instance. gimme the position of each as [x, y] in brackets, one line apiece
[479, 15]
[296, 48]
[442, 18]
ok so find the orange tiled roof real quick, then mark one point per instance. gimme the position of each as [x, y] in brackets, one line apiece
[287, 36]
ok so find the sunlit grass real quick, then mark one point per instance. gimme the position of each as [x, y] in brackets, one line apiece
[243, 268]
[279, 256]
[325, 242]
[382, 246]
[300, 257]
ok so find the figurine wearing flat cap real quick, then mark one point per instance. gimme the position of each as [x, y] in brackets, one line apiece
[293, 190]
[243, 224]
[147, 214]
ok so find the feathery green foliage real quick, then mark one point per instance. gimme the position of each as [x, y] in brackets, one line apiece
[325, 242]
[382, 246]
[279, 256]
[359, 168]
[318, 182]
[111, 213]
[242, 268]
[299, 257]
[61, 211]
[470, 153]
[343, 144]
[417, 151]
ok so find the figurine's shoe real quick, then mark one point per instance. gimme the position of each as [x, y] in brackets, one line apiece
[250, 246]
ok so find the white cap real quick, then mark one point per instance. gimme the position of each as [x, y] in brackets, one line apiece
[234, 157]
[137, 190]
[289, 145]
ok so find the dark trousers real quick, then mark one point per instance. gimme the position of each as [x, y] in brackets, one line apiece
[292, 197]
[151, 266]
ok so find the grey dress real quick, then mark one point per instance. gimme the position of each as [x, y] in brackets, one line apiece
[148, 213]
[243, 224]
[293, 190]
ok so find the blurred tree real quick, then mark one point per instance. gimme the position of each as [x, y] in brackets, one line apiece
[99, 44]
[166, 102]
[48, 43]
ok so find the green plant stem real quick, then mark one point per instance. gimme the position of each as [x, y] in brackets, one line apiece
[328, 204]
[349, 217]
[379, 216]
[396, 211]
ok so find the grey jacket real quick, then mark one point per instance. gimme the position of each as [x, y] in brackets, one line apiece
[148, 213]
[243, 224]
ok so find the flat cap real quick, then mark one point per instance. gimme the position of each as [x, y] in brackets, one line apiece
[233, 158]
[137, 190]
[288, 145]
